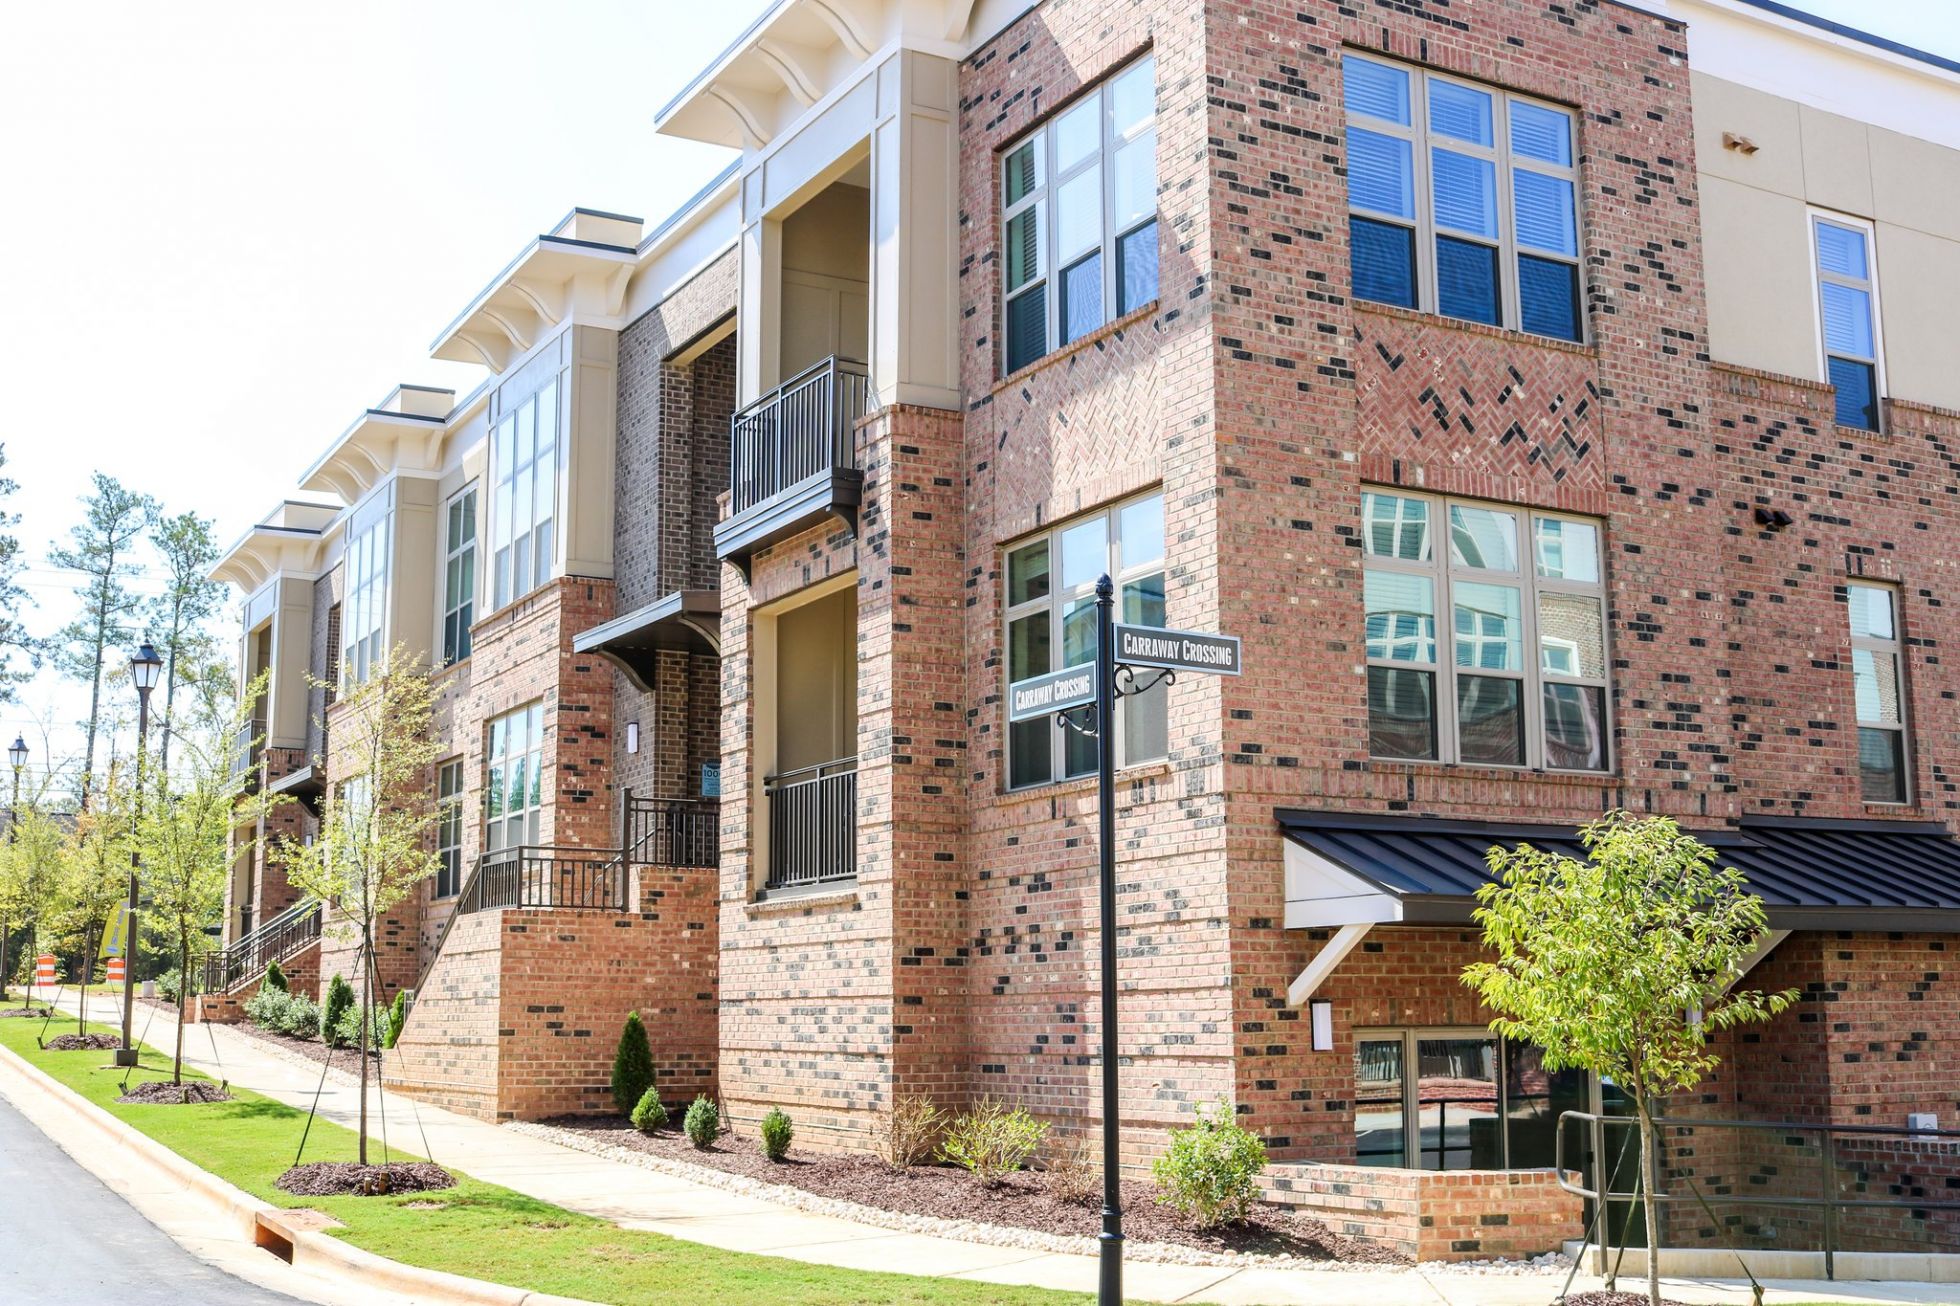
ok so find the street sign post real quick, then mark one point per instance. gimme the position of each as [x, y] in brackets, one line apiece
[1167, 652]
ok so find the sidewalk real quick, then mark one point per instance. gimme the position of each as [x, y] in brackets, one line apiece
[638, 1198]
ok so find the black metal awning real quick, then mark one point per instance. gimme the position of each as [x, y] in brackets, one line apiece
[1349, 869]
[686, 620]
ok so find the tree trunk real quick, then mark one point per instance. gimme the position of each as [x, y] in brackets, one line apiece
[1650, 1207]
[3, 961]
[88, 974]
[360, 958]
[170, 688]
[183, 1000]
[95, 693]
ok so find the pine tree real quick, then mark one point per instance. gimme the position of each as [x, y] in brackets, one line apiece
[102, 550]
[17, 654]
[632, 1072]
[177, 617]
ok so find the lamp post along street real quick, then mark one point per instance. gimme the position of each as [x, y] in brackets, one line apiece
[145, 669]
[17, 754]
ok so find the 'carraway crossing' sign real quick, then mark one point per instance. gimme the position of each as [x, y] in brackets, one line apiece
[1177, 650]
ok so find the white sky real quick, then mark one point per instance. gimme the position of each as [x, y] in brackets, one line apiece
[234, 225]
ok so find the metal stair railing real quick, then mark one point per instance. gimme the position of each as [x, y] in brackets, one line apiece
[275, 940]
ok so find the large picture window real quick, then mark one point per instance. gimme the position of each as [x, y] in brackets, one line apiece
[1463, 200]
[1455, 594]
[1051, 624]
[1878, 685]
[459, 576]
[513, 797]
[1847, 311]
[525, 457]
[449, 829]
[364, 612]
[1079, 217]
[1457, 1099]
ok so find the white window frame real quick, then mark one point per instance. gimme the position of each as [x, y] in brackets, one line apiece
[1895, 647]
[506, 588]
[1444, 574]
[1510, 309]
[1048, 258]
[496, 762]
[448, 880]
[367, 564]
[1812, 217]
[1056, 604]
[454, 551]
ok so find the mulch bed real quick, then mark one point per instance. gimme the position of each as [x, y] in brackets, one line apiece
[1614, 1299]
[82, 1042]
[19, 1013]
[162, 1092]
[1022, 1202]
[347, 1059]
[351, 1179]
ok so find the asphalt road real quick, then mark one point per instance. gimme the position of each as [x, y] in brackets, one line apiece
[66, 1240]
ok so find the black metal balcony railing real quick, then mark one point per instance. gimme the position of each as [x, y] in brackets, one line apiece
[247, 747]
[275, 940]
[800, 429]
[671, 831]
[812, 824]
[577, 879]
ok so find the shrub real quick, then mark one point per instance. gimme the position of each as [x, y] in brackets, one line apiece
[346, 1032]
[991, 1140]
[301, 1017]
[912, 1130]
[276, 978]
[702, 1122]
[648, 1115]
[170, 986]
[283, 1013]
[263, 1007]
[397, 1017]
[1072, 1171]
[632, 1072]
[1209, 1174]
[340, 996]
[776, 1133]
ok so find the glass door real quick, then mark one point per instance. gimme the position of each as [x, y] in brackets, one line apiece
[1457, 1117]
[1380, 1137]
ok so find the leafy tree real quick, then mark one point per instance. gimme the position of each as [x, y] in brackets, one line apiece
[632, 1069]
[103, 551]
[377, 827]
[17, 652]
[1601, 963]
[30, 859]
[94, 875]
[189, 600]
[193, 828]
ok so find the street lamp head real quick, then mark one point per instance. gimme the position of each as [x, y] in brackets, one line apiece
[17, 752]
[146, 668]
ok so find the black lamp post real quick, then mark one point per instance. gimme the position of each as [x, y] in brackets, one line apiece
[17, 754]
[145, 669]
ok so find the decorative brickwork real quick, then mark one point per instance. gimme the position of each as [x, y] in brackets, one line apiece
[1434, 1215]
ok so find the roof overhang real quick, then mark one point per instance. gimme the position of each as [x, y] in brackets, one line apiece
[795, 55]
[580, 268]
[1349, 869]
[686, 621]
[403, 434]
[287, 541]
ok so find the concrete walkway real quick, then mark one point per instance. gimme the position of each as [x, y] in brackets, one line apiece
[638, 1198]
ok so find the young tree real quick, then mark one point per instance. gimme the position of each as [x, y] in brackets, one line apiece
[377, 827]
[102, 550]
[29, 860]
[194, 828]
[94, 875]
[17, 655]
[1622, 964]
[189, 600]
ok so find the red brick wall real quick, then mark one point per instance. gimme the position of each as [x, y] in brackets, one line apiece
[1450, 1215]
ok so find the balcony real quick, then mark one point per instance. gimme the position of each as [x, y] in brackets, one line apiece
[812, 825]
[575, 879]
[792, 460]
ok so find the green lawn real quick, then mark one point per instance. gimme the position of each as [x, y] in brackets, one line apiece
[251, 1140]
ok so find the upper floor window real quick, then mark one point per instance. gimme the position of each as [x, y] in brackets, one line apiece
[1847, 310]
[524, 455]
[449, 829]
[1463, 200]
[1079, 216]
[1878, 684]
[364, 612]
[514, 794]
[1051, 624]
[459, 576]
[1506, 581]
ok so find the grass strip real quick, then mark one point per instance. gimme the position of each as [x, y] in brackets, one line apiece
[482, 1230]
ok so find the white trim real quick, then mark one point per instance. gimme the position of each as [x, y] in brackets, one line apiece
[1345, 940]
[1813, 215]
[1321, 894]
[1893, 648]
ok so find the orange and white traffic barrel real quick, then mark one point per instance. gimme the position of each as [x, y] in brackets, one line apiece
[116, 970]
[44, 970]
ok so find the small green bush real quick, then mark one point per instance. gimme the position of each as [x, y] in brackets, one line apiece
[776, 1133]
[391, 1029]
[284, 1013]
[992, 1141]
[702, 1122]
[340, 997]
[632, 1072]
[648, 1115]
[302, 1017]
[347, 1031]
[170, 986]
[1210, 1173]
[276, 978]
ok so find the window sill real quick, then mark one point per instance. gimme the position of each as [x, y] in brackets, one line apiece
[1484, 771]
[1084, 784]
[1074, 347]
[1364, 307]
[831, 893]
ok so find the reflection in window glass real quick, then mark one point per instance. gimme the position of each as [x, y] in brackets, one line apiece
[1878, 690]
[1379, 1134]
[1457, 1119]
[1483, 538]
[1489, 626]
[1568, 550]
[1401, 619]
[1395, 527]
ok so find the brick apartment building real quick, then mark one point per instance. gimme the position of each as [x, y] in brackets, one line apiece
[1559, 400]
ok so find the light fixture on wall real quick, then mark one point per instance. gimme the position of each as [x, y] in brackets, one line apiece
[632, 736]
[1320, 1015]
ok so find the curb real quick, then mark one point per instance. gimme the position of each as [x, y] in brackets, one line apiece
[289, 1233]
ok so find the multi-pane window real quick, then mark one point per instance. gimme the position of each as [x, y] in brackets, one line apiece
[1051, 624]
[449, 828]
[1847, 309]
[459, 576]
[1457, 1099]
[1486, 634]
[1079, 216]
[1878, 684]
[1462, 200]
[513, 793]
[524, 455]
[364, 612]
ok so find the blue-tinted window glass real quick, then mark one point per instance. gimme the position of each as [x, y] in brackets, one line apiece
[1375, 89]
[1857, 393]
[1542, 134]
[1459, 111]
[1544, 213]
[1466, 280]
[1027, 328]
[1847, 320]
[1548, 297]
[1082, 298]
[1381, 173]
[1466, 193]
[1136, 268]
[1841, 250]
[1384, 259]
